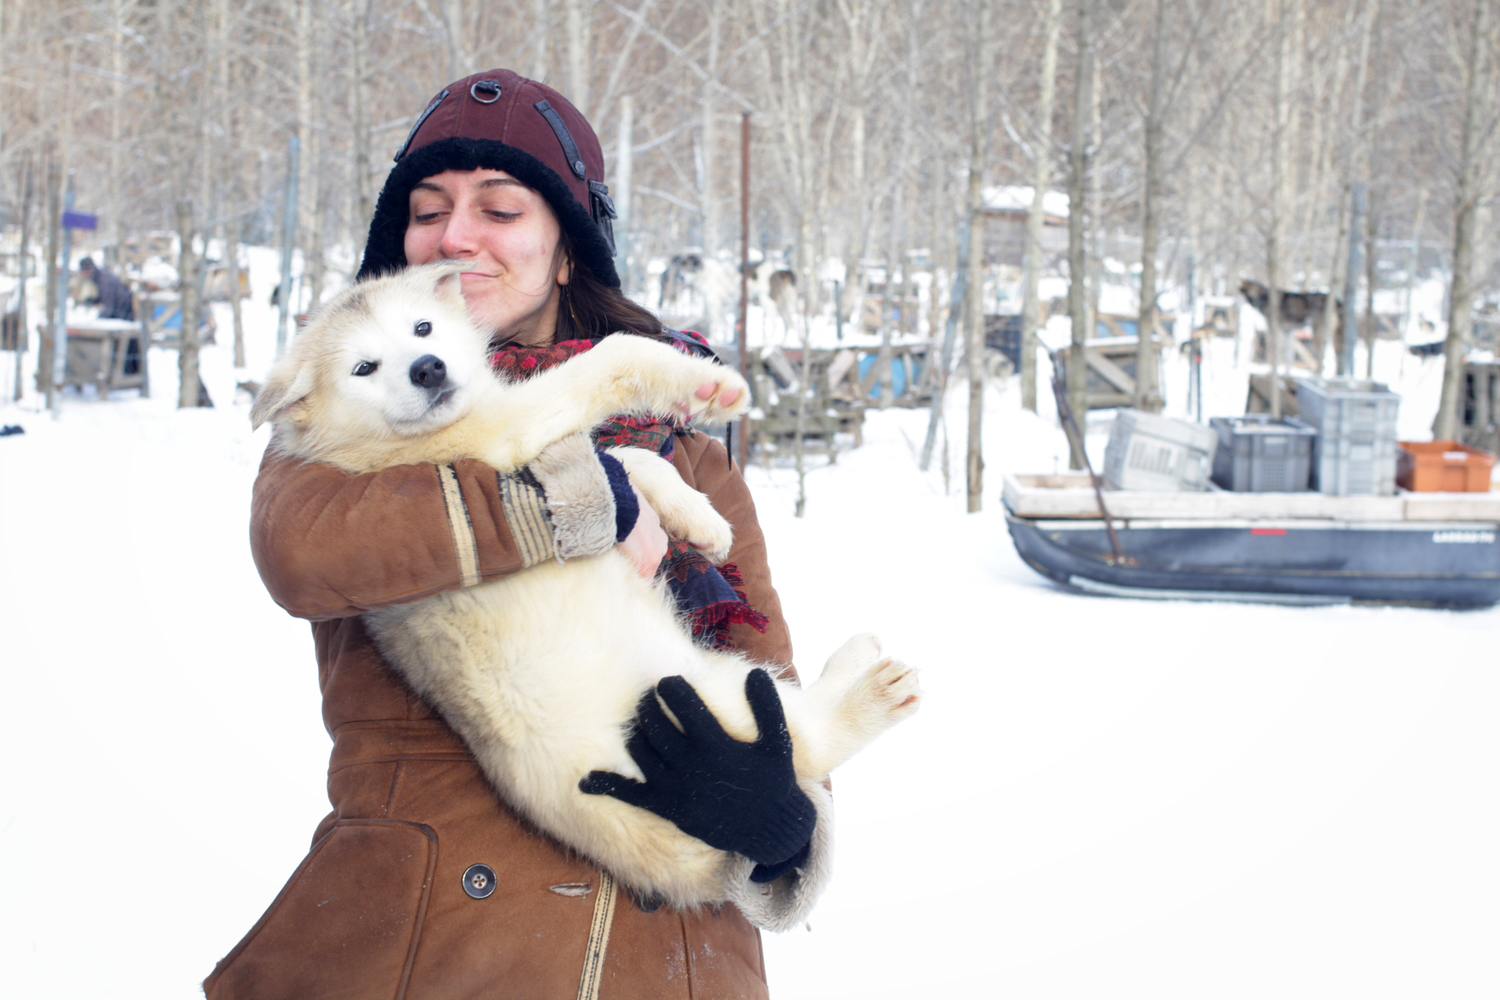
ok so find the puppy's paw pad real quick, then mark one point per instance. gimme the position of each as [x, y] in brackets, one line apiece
[896, 686]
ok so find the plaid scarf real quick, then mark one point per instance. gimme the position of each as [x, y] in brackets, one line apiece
[711, 598]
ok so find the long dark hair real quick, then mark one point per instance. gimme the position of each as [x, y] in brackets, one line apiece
[590, 309]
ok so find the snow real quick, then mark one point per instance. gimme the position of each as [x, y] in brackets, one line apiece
[1099, 797]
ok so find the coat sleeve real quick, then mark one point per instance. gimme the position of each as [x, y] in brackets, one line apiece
[706, 467]
[333, 545]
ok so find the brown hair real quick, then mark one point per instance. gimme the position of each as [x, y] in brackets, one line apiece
[588, 308]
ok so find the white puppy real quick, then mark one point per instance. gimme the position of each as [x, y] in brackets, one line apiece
[541, 672]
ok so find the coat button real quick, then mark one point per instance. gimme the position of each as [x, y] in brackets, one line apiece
[479, 881]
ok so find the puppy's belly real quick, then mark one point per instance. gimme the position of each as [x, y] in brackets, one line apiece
[547, 666]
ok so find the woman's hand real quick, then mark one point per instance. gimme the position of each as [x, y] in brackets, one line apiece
[740, 797]
[646, 545]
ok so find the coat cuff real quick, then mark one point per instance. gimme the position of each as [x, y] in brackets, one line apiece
[580, 500]
[788, 900]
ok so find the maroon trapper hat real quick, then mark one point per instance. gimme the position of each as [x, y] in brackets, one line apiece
[502, 121]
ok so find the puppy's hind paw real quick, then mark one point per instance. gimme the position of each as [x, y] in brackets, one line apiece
[896, 688]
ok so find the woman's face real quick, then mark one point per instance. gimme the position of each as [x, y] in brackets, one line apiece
[512, 236]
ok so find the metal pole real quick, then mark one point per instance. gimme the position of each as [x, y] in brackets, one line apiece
[740, 333]
[288, 241]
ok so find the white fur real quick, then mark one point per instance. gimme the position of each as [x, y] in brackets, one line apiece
[541, 671]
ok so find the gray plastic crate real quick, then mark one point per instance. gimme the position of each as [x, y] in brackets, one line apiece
[1151, 452]
[1355, 452]
[1259, 455]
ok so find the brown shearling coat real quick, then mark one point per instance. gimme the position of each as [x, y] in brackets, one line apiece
[377, 908]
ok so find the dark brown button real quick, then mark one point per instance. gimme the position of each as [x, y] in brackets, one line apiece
[479, 881]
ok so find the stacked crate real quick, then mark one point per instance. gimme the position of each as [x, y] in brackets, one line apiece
[1259, 455]
[1355, 451]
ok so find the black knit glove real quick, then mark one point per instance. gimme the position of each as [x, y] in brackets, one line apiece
[740, 797]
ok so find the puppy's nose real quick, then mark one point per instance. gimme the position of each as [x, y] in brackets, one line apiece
[428, 372]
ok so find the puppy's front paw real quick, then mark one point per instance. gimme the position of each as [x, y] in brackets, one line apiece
[688, 515]
[720, 396]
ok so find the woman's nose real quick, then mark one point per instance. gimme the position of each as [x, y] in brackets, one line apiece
[458, 236]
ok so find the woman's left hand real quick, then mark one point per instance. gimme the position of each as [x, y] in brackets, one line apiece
[646, 545]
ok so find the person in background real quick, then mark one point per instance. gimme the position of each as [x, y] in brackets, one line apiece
[115, 302]
[112, 295]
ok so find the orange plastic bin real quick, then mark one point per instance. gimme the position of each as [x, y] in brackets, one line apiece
[1443, 467]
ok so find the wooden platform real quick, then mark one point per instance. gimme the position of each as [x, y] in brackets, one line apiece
[1069, 495]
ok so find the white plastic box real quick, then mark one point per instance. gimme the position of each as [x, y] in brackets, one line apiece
[1147, 451]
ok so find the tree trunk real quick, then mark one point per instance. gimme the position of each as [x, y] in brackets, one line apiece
[232, 261]
[1147, 392]
[1031, 305]
[1280, 111]
[46, 359]
[1079, 156]
[1372, 227]
[23, 333]
[188, 303]
[1445, 426]
[578, 56]
[983, 65]
[541, 17]
[624, 165]
[364, 199]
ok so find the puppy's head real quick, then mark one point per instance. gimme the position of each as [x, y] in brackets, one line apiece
[394, 356]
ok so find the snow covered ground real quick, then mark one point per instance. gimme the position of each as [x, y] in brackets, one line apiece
[1100, 798]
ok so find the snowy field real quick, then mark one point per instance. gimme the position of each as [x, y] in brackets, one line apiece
[1100, 798]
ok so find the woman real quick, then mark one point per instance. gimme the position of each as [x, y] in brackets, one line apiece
[420, 882]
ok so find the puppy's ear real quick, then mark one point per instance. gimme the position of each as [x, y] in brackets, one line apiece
[283, 399]
[445, 279]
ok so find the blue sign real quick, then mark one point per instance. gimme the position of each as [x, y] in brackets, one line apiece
[79, 220]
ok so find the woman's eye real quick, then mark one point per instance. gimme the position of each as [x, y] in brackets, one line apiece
[505, 216]
[366, 368]
[422, 329]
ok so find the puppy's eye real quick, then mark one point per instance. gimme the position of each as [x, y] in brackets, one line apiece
[423, 329]
[366, 368]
